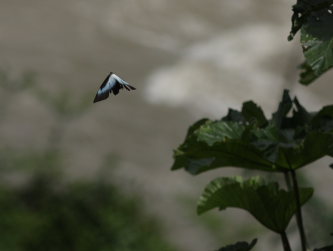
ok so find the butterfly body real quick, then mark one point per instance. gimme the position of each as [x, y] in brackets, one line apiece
[112, 84]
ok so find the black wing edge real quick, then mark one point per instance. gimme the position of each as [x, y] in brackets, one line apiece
[129, 87]
[105, 80]
[105, 95]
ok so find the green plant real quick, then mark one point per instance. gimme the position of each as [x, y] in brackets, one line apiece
[283, 144]
[314, 19]
[46, 215]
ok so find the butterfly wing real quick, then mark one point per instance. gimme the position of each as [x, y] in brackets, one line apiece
[116, 88]
[127, 86]
[112, 84]
[103, 91]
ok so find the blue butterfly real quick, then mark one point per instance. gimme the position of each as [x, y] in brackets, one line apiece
[112, 84]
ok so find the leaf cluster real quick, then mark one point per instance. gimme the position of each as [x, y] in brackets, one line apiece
[315, 19]
[291, 139]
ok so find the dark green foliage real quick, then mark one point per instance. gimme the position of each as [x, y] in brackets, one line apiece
[291, 139]
[12, 85]
[82, 216]
[254, 114]
[305, 9]
[271, 206]
[315, 19]
[328, 248]
[239, 246]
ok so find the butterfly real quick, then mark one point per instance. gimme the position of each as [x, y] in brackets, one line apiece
[112, 84]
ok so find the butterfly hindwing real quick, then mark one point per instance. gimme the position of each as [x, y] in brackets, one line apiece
[116, 88]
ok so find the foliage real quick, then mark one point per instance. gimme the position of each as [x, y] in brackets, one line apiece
[328, 248]
[14, 85]
[247, 139]
[315, 20]
[270, 205]
[289, 140]
[239, 246]
[81, 216]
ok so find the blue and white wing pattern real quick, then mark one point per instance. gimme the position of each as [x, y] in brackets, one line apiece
[112, 84]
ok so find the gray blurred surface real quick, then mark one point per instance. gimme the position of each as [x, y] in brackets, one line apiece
[188, 59]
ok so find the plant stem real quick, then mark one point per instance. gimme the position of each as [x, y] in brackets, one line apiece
[299, 218]
[285, 241]
[287, 178]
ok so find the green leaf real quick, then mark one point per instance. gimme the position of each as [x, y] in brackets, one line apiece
[234, 116]
[313, 147]
[318, 55]
[284, 107]
[304, 9]
[239, 246]
[270, 205]
[314, 18]
[300, 115]
[253, 113]
[316, 40]
[221, 144]
[294, 154]
[217, 144]
[211, 132]
[292, 139]
[323, 120]
[307, 75]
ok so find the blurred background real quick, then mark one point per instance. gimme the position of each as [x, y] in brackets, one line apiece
[82, 176]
